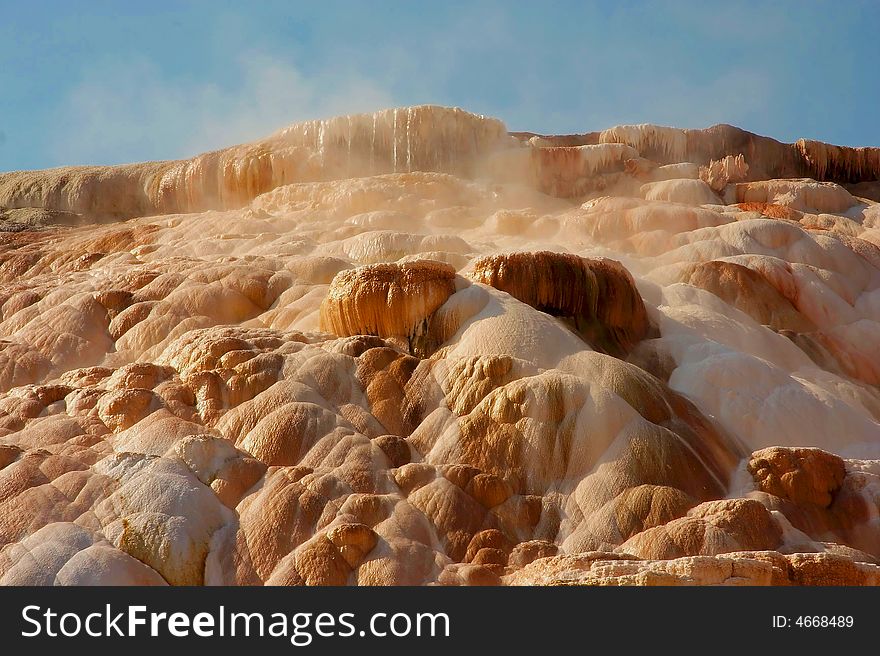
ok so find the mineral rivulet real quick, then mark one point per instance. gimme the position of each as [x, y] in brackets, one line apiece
[410, 347]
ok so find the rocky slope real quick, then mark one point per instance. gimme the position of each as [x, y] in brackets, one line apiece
[412, 348]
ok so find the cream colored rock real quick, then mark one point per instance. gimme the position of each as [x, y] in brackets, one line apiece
[689, 192]
[803, 195]
[745, 568]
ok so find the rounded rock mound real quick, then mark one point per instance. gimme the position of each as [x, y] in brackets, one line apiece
[598, 296]
[387, 300]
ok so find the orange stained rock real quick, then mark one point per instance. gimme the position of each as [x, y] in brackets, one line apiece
[598, 295]
[388, 300]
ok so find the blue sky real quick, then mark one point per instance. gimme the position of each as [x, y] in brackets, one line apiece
[110, 82]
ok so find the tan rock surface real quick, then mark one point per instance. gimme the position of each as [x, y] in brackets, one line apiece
[411, 348]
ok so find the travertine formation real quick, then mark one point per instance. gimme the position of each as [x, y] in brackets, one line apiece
[413, 348]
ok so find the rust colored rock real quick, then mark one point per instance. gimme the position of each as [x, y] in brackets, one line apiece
[8, 454]
[747, 290]
[801, 475]
[598, 295]
[388, 300]
[354, 541]
[771, 210]
[395, 449]
[709, 529]
[121, 410]
[827, 569]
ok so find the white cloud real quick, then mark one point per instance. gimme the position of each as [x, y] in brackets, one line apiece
[130, 111]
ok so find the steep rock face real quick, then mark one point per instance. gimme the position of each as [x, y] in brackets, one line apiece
[564, 171]
[424, 138]
[767, 157]
[409, 348]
